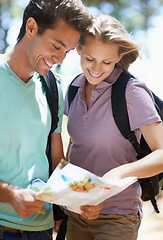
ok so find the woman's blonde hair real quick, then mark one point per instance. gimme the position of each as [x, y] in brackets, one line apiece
[109, 30]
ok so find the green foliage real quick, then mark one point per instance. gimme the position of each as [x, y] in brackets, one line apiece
[9, 9]
[134, 14]
[15, 9]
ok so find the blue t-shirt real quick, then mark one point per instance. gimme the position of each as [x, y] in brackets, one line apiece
[25, 122]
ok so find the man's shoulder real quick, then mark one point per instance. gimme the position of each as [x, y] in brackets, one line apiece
[2, 62]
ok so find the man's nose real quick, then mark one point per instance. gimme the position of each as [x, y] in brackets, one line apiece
[60, 58]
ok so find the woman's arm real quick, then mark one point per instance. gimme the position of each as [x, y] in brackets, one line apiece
[148, 166]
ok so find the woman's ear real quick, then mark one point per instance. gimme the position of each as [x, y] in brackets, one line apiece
[78, 49]
[119, 58]
[31, 27]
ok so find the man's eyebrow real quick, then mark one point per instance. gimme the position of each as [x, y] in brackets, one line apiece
[60, 42]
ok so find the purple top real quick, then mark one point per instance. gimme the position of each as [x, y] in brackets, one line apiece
[98, 146]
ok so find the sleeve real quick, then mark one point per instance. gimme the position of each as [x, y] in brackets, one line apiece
[140, 105]
[60, 109]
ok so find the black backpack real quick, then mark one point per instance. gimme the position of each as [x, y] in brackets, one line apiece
[50, 86]
[150, 186]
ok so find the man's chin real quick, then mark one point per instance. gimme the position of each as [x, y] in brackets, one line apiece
[43, 72]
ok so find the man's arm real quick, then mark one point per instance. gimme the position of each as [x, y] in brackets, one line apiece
[23, 200]
[57, 152]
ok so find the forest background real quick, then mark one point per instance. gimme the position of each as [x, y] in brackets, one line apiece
[143, 20]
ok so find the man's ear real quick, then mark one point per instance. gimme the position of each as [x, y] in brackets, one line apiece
[31, 27]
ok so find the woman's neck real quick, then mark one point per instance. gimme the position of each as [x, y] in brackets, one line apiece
[88, 92]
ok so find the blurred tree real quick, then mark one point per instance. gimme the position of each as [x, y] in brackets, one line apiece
[134, 14]
[4, 4]
[9, 9]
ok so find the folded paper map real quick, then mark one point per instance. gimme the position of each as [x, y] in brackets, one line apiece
[71, 186]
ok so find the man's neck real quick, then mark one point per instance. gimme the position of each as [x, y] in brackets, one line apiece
[17, 62]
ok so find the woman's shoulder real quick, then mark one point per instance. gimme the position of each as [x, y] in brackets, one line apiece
[137, 88]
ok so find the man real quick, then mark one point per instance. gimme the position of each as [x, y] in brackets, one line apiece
[50, 29]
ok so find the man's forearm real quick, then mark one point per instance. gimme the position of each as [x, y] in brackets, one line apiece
[23, 200]
[6, 190]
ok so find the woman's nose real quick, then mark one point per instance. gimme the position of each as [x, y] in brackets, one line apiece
[96, 67]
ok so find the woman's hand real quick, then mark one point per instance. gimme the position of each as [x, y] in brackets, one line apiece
[91, 212]
[114, 175]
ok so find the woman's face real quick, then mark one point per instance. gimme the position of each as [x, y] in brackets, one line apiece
[98, 60]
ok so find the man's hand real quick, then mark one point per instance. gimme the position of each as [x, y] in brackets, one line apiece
[57, 225]
[91, 212]
[24, 202]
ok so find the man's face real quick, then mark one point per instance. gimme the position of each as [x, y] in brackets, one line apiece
[51, 47]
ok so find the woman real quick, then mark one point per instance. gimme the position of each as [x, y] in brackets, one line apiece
[106, 51]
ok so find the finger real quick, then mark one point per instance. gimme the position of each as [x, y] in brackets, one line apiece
[97, 207]
[90, 216]
[87, 208]
[91, 209]
[27, 209]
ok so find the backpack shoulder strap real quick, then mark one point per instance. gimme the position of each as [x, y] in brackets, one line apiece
[72, 91]
[120, 113]
[158, 105]
[50, 87]
[118, 101]
[150, 186]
